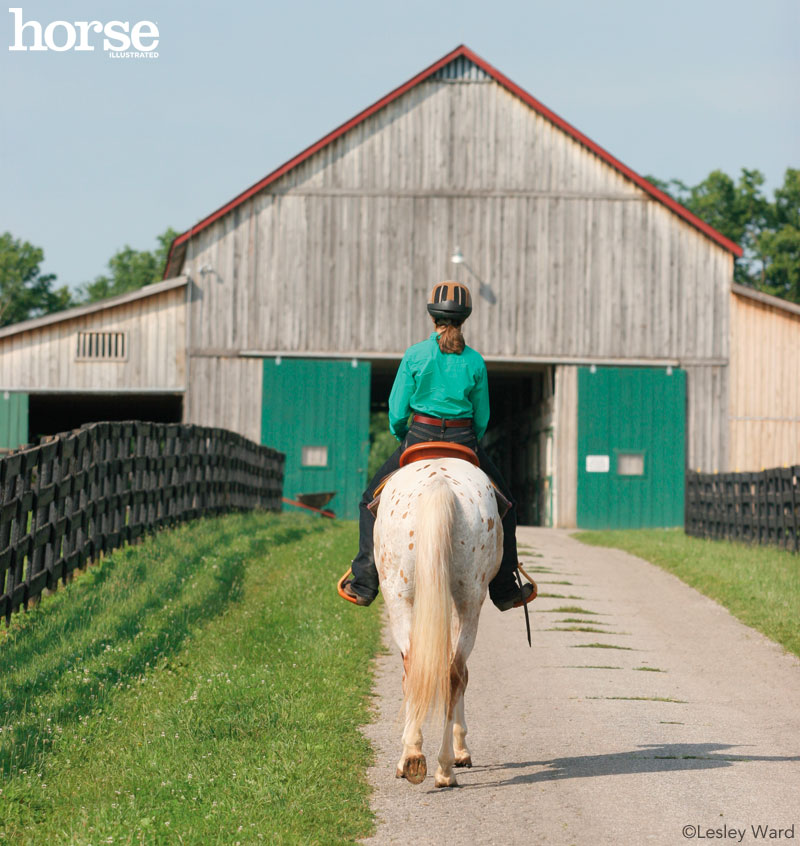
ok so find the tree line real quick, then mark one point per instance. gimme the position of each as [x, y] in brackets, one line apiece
[26, 292]
[768, 231]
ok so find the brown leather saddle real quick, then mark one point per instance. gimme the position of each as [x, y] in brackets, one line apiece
[429, 450]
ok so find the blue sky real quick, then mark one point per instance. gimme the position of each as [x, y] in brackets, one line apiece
[97, 152]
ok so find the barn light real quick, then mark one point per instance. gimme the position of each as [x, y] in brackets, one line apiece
[457, 257]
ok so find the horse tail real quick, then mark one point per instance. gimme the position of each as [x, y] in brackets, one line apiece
[428, 671]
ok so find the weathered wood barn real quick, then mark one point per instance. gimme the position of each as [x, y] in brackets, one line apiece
[619, 353]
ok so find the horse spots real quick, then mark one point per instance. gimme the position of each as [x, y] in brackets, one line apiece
[462, 543]
[411, 533]
[411, 546]
[405, 515]
[473, 549]
[482, 546]
[401, 574]
[491, 523]
[405, 579]
[431, 474]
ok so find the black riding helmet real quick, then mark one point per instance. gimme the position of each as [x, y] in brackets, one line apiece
[450, 301]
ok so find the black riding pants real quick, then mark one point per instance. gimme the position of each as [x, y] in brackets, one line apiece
[365, 574]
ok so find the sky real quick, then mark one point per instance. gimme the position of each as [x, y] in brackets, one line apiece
[99, 151]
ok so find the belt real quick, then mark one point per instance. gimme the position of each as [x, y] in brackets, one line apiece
[435, 421]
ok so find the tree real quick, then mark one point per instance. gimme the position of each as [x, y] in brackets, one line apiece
[25, 291]
[768, 232]
[130, 270]
[779, 245]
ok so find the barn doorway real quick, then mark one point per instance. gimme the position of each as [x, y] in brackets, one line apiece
[49, 414]
[519, 438]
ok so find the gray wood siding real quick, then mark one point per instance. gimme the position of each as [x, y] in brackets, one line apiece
[226, 392]
[45, 358]
[340, 253]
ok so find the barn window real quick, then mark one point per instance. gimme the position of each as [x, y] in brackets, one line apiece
[102, 346]
[630, 464]
[314, 456]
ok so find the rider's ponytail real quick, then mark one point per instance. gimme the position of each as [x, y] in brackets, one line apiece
[450, 339]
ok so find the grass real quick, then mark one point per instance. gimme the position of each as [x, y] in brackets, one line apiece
[601, 646]
[643, 699]
[760, 585]
[203, 687]
[569, 609]
[583, 629]
[592, 667]
[557, 596]
[580, 620]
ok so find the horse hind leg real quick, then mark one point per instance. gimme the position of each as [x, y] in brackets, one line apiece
[462, 753]
[412, 765]
[447, 754]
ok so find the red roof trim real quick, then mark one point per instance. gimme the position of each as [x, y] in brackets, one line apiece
[503, 80]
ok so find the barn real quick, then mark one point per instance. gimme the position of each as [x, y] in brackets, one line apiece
[619, 350]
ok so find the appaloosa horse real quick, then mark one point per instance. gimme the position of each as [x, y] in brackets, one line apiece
[438, 544]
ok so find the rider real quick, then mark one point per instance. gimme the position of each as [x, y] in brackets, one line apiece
[443, 383]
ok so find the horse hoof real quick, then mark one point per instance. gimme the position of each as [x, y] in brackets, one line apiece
[415, 769]
[445, 781]
[466, 761]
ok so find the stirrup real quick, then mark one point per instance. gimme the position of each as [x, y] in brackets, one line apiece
[535, 589]
[343, 593]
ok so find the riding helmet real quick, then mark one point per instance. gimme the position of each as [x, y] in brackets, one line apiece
[450, 301]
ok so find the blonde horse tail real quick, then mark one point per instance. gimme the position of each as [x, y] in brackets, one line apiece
[428, 671]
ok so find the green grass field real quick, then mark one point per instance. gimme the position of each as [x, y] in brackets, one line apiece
[203, 687]
[758, 584]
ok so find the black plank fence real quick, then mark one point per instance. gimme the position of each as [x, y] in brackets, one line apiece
[81, 493]
[761, 508]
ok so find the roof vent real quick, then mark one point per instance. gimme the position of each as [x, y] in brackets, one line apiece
[102, 346]
[461, 69]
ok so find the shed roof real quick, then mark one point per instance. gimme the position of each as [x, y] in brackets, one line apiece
[178, 247]
[766, 299]
[101, 305]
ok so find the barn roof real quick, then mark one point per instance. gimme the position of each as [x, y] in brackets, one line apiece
[90, 308]
[480, 67]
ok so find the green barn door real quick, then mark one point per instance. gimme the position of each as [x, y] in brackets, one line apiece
[317, 412]
[13, 420]
[631, 447]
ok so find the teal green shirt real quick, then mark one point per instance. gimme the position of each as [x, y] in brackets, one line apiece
[439, 384]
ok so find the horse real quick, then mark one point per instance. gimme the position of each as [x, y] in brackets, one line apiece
[438, 544]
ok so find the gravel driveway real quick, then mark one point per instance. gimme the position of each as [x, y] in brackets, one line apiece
[689, 730]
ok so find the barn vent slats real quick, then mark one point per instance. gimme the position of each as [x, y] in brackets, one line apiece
[461, 69]
[101, 346]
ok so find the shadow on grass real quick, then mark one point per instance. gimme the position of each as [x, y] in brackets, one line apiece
[134, 639]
